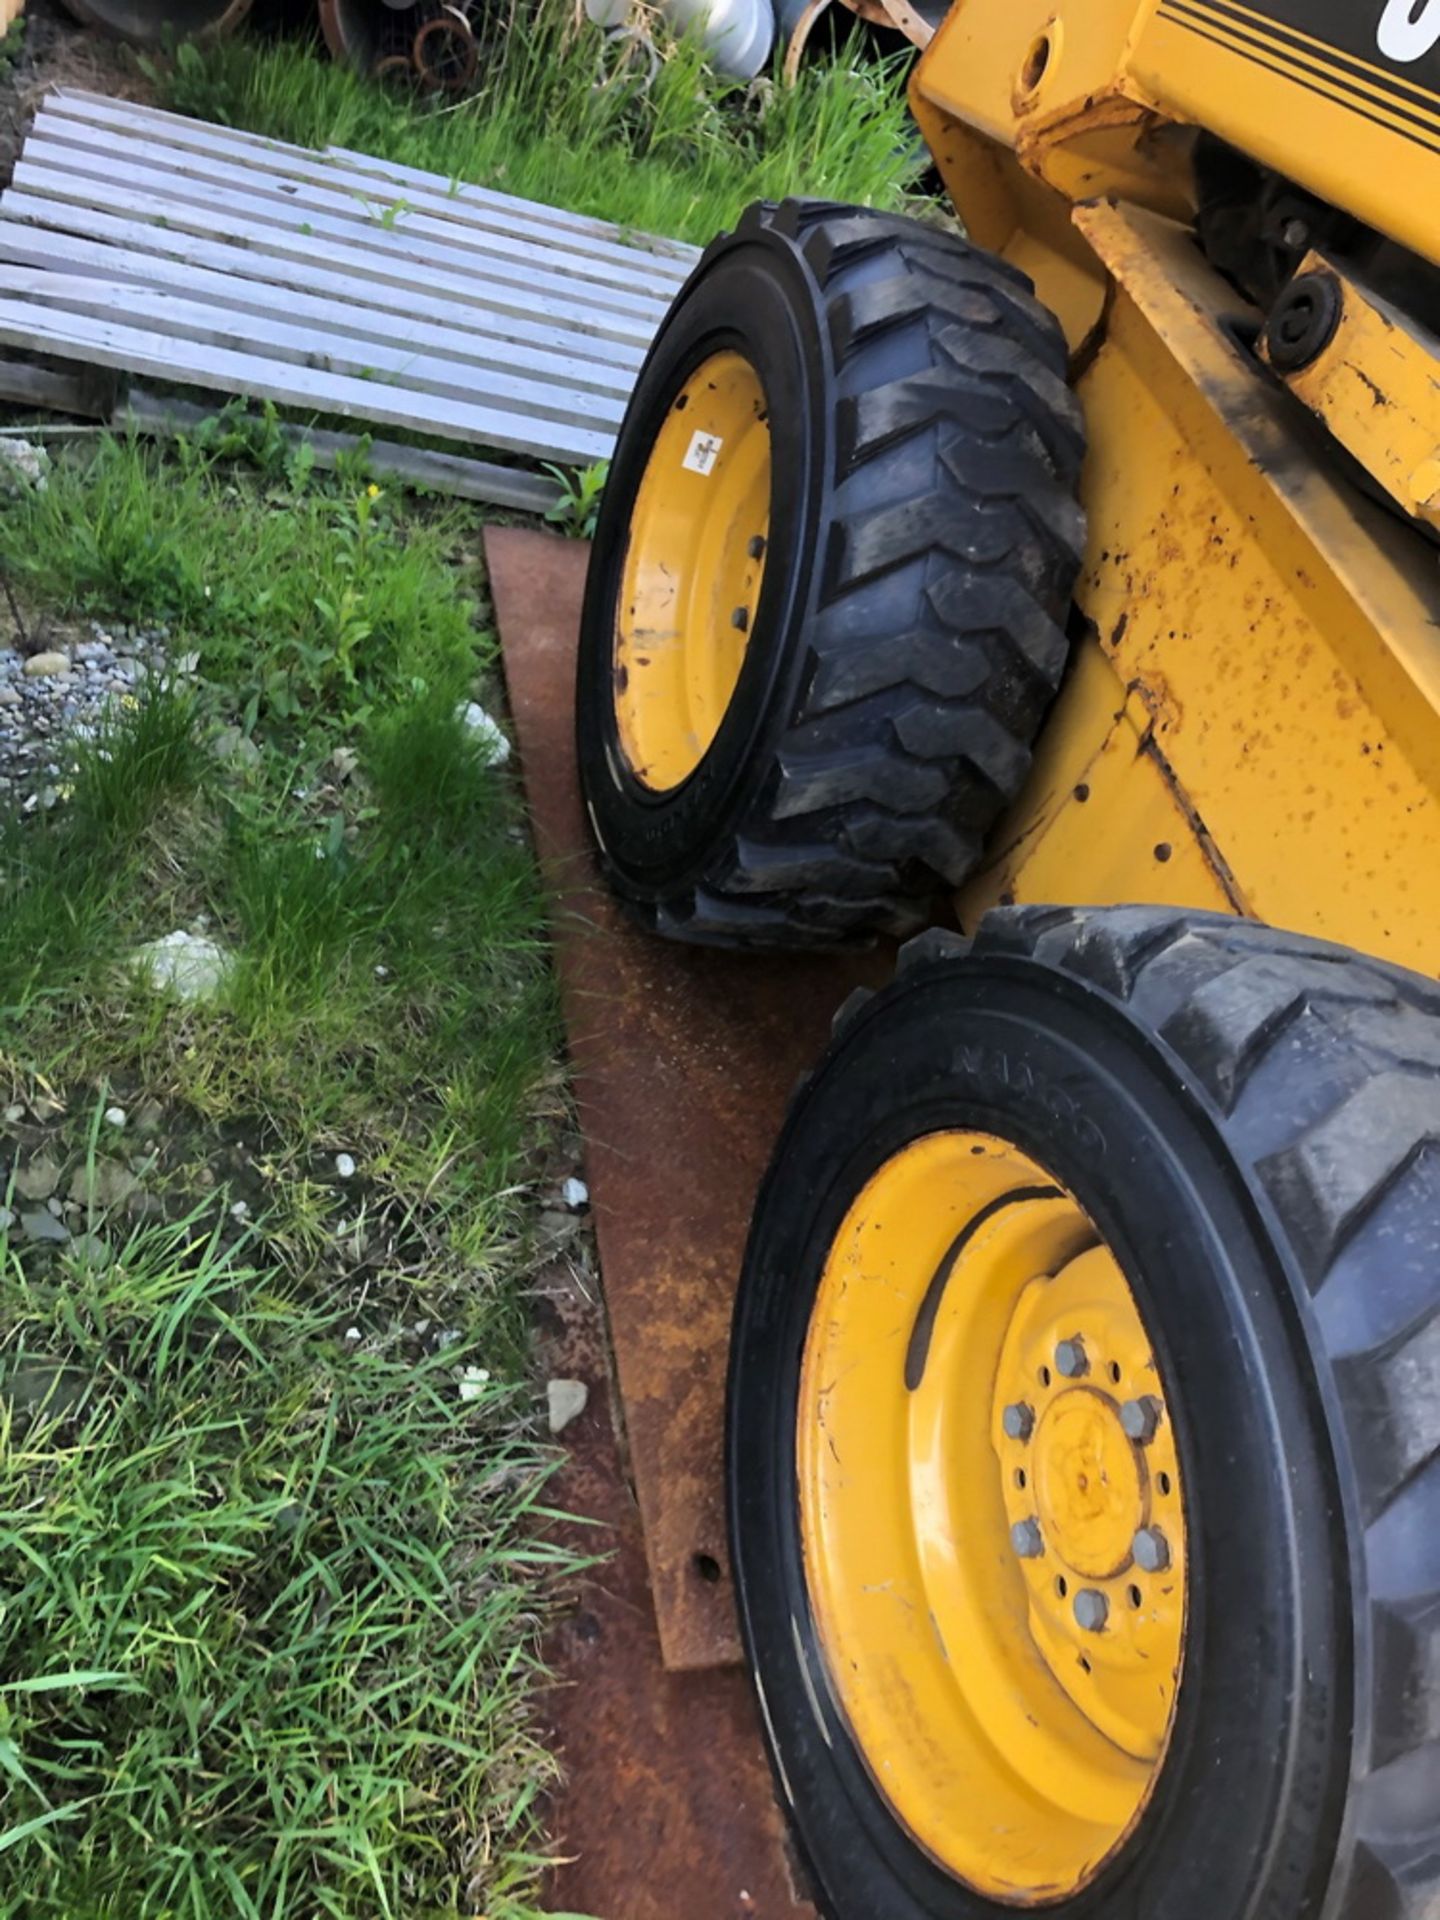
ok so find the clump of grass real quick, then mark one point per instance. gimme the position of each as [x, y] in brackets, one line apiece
[69, 878]
[305, 597]
[561, 116]
[305, 1568]
[252, 1664]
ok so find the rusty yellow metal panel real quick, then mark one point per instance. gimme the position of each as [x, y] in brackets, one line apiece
[1376, 387]
[1335, 94]
[1282, 632]
[1342, 98]
[1102, 821]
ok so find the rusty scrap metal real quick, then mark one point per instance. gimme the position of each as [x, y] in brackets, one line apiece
[684, 1060]
[154, 23]
[445, 52]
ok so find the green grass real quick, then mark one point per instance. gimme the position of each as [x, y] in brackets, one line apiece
[254, 1664]
[550, 121]
[301, 597]
[309, 1570]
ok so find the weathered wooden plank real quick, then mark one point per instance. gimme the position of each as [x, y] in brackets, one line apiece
[204, 207]
[454, 473]
[334, 351]
[62, 253]
[298, 271]
[364, 262]
[143, 351]
[121, 128]
[345, 212]
[24, 385]
[263, 150]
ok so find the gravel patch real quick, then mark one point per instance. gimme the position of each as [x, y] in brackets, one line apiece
[53, 700]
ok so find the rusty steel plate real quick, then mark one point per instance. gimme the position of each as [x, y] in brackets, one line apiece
[683, 1062]
[665, 1806]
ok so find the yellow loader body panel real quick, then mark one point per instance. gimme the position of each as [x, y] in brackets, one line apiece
[1253, 721]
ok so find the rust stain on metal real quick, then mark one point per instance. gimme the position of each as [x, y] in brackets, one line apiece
[683, 1063]
[666, 1806]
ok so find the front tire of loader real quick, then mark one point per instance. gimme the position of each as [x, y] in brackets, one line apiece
[1084, 1437]
[825, 610]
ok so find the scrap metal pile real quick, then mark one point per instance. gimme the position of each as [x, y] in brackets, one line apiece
[439, 45]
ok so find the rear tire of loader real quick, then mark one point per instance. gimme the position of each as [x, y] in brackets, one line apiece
[826, 602]
[1246, 1124]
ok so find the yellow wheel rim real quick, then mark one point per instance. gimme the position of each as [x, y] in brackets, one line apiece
[693, 568]
[992, 1517]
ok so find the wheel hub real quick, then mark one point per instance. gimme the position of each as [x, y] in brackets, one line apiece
[991, 1514]
[1089, 1494]
[1097, 1479]
[694, 567]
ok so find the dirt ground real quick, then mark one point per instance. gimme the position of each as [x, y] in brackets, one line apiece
[57, 51]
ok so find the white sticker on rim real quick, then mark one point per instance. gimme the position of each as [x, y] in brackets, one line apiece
[704, 451]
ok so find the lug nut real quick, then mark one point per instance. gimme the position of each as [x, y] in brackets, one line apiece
[740, 618]
[756, 548]
[1140, 1418]
[1018, 1421]
[1026, 1539]
[1070, 1358]
[1092, 1610]
[1151, 1550]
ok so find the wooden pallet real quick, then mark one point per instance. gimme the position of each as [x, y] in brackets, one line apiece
[331, 283]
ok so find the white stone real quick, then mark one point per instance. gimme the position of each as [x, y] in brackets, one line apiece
[239, 1210]
[486, 732]
[473, 1382]
[193, 967]
[567, 1400]
[575, 1194]
[345, 1166]
[22, 460]
[43, 666]
[115, 1116]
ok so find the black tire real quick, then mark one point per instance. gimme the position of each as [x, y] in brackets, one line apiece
[924, 540]
[1253, 1121]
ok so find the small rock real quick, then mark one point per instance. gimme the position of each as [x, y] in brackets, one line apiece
[41, 666]
[473, 1382]
[115, 1116]
[240, 1210]
[486, 732]
[39, 1180]
[57, 1205]
[575, 1194]
[345, 1166]
[231, 743]
[195, 968]
[9, 697]
[40, 1225]
[567, 1400]
[92, 1249]
[106, 1183]
[150, 1117]
[45, 1107]
[15, 1113]
[382, 973]
[23, 464]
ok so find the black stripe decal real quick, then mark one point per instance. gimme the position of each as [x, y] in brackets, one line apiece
[1357, 104]
[918, 1351]
[1324, 54]
[1322, 67]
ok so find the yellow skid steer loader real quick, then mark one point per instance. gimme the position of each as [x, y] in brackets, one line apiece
[1072, 590]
